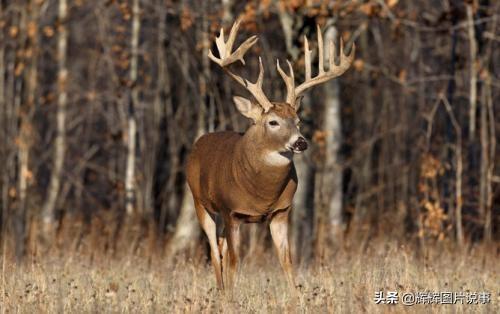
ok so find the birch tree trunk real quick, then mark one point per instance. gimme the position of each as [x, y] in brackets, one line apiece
[60, 141]
[473, 72]
[328, 194]
[130, 188]
[333, 126]
[227, 15]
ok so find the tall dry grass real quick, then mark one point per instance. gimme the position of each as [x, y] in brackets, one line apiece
[78, 282]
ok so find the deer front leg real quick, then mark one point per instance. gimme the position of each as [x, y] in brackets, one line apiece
[279, 233]
[232, 230]
[208, 225]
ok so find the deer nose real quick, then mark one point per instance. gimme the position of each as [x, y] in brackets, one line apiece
[300, 145]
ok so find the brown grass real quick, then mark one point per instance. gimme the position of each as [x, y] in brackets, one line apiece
[345, 283]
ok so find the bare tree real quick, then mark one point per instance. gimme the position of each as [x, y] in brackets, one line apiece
[488, 146]
[26, 128]
[29, 29]
[60, 140]
[328, 179]
[130, 188]
[473, 71]
[163, 99]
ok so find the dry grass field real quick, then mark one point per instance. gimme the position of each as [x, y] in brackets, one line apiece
[345, 283]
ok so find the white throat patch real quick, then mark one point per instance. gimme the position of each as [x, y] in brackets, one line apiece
[276, 159]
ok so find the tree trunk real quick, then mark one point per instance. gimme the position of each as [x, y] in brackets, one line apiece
[488, 147]
[329, 177]
[26, 113]
[458, 174]
[164, 98]
[301, 225]
[9, 124]
[186, 230]
[60, 141]
[488, 228]
[3, 135]
[21, 119]
[473, 72]
[366, 174]
[130, 189]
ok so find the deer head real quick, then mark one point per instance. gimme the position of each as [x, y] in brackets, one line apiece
[277, 123]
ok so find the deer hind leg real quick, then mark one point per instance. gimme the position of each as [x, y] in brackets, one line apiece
[230, 257]
[223, 254]
[279, 233]
[208, 225]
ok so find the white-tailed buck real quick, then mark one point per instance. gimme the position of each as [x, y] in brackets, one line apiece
[251, 177]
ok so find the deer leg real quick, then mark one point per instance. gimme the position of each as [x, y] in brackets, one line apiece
[223, 253]
[231, 259]
[279, 233]
[208, 225]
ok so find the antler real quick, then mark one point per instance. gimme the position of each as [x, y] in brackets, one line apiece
[294, 93]
[227, 57]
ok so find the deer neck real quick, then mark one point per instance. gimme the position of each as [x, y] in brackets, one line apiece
[260, 171]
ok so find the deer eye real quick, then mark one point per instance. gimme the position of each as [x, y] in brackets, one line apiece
[273, 123]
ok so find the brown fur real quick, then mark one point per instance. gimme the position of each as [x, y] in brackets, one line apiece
[227, 176]
[284, 110]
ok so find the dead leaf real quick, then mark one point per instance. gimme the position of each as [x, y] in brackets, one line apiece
[359, 65]
[391, 3]
[48, 31]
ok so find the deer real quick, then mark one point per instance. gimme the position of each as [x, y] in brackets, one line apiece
[250, 177]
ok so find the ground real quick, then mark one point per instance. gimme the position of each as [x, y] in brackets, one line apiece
[345, 283]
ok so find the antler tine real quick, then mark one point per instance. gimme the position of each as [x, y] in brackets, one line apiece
[321, 69]
[260, 78]
[307, 58]
[289, 82]
[333, 70]
[227, 57]
[232, 34]
[257, 91]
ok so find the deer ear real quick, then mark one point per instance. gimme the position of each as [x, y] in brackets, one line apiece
[247, 108]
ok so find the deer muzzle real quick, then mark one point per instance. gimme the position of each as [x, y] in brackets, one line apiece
[300, 145]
